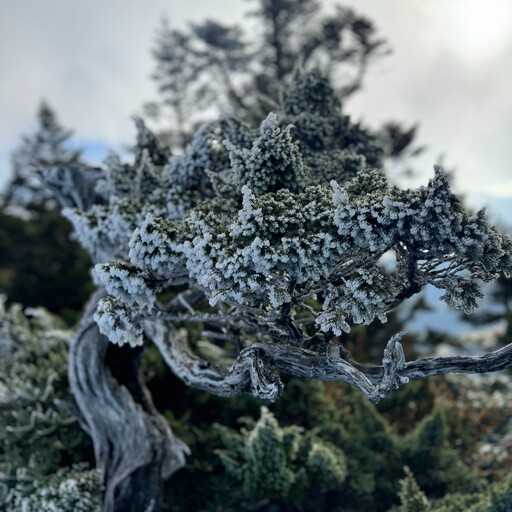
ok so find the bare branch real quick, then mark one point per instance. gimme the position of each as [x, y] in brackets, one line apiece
[255, 371]
[490, 362]
[73, 184]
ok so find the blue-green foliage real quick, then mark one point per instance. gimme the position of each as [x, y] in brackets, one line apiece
[436, 466]
[412, 498]
[496, 497]
[308, 412]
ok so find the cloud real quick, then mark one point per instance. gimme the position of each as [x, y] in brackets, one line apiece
[457, 92]
[91, 61]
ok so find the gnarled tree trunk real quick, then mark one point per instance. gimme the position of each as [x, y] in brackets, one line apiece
[134, 446]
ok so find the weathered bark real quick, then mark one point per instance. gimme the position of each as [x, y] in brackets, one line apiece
[253, 371]
[256, 369]
[134, 446]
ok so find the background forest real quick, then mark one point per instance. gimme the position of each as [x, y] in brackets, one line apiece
[442, 444]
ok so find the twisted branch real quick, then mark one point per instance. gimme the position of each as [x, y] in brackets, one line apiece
[253, 372]
[256, 370]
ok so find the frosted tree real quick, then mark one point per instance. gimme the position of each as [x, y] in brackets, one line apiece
[48, 145]
[272, 241]
[211, 66]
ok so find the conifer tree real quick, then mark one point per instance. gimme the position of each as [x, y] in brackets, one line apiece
[48, 145]
[496, 497]
[39, 264]
[213, 64]
[278, 265]
[282, 463]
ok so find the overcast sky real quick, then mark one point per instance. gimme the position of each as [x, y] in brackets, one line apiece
[450, 71]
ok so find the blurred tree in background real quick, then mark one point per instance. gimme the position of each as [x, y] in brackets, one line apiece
[211, 68]
[39, 263]
[48, 145]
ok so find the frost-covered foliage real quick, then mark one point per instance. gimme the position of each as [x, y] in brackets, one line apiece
[77, 489]
[332, 146]
[282, 246]
[274, 149]
[155, 183]
[276, 462]
[251, 219]
[39, 430]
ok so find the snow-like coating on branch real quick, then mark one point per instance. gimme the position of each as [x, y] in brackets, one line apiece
[273, 162]
[250, 219]
[126, 282]
[116, 321]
